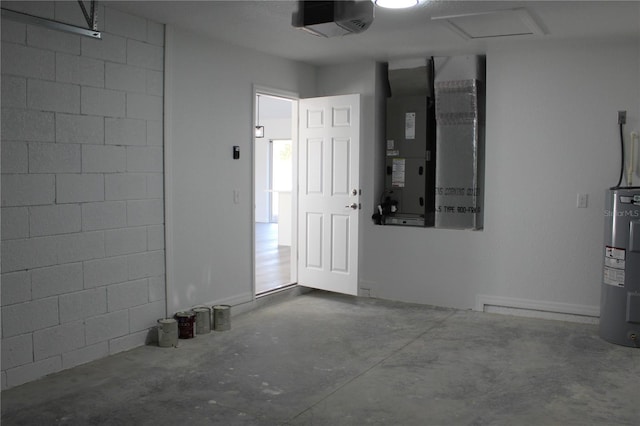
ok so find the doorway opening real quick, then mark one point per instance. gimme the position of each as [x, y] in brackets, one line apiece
[273, 192]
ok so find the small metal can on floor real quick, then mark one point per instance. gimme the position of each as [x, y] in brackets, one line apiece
[186, 324]
[167, 332]
[203, 320]
[221, 317]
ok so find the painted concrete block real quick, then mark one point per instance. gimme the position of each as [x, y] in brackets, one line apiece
[27, 373]
[127, 295]
[15, 157]
[29, 316]
[15, 32]
[145, 159]
[16, 287]
[145, 212]
[79, 129]
[15, 222]
[100, 272]
[104, 215]
[79, 247]
[86, 354]
[54, 158]
[27, 190]
[155, 83]
[148, 264]
[27, 61]
[125, 77]
[155, 133]
[146, 316]
[29, 253]
[57, 340]
[17, 351]
[125, 241]
[155, 237]
[125, 186]
[124, 24]
[14, 91]
[108, 103]
[45, 38]
[25, 125]
[103, 159]
[55, 219]
[157, 288]
[125, 131]
[112, 48]
[145, 55]
[155, 33]
[82, 305]
[128, 342]
[107, 326]
[56, 280]
[44, 9]
[155, 185]
[77, 188]
[53, 96]
[79, 70]
[143, 106]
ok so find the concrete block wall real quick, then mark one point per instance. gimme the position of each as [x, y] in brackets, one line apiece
[82, 207]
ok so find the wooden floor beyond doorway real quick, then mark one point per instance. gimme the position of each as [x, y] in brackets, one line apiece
[273, 262]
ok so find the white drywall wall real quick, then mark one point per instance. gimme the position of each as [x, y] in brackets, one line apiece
[211, 112]
[551, 133]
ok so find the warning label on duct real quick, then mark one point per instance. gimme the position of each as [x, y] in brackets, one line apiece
[614, 263]
[410, 125]
[397, 174]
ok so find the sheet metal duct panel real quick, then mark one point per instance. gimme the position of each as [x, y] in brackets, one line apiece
[409, 81]
[459, 143]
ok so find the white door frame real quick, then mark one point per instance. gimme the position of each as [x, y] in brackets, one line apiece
[294, 97]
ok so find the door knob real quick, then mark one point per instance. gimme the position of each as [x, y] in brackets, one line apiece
[354, 192]
[354, 206]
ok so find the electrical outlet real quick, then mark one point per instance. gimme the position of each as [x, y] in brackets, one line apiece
[622, 117]
[583, 201]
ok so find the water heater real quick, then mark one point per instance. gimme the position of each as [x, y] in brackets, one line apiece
[620, 297]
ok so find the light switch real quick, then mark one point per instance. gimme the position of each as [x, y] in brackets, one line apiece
[583, 201]
[236, 196]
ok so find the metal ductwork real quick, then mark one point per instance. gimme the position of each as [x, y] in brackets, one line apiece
[333, 18]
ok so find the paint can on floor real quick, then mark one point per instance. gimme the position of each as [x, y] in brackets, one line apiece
[221, 317]
[167, 332]
[186, 324]
[203, 320]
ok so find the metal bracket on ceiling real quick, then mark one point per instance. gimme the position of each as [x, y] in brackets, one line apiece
[91, 18]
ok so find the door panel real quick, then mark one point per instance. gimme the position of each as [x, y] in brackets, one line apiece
[329, 192]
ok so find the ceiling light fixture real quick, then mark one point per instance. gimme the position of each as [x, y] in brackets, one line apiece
[396, 4]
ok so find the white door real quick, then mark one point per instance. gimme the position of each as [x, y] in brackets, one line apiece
[329, 193]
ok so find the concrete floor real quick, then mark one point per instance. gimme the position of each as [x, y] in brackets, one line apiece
[326, 359]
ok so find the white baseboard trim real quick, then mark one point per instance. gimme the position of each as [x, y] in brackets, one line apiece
[235, 300]
[538, 309]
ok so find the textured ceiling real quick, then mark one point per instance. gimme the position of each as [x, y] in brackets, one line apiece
[266, 26]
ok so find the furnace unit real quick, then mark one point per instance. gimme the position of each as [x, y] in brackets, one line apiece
[410, 143]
